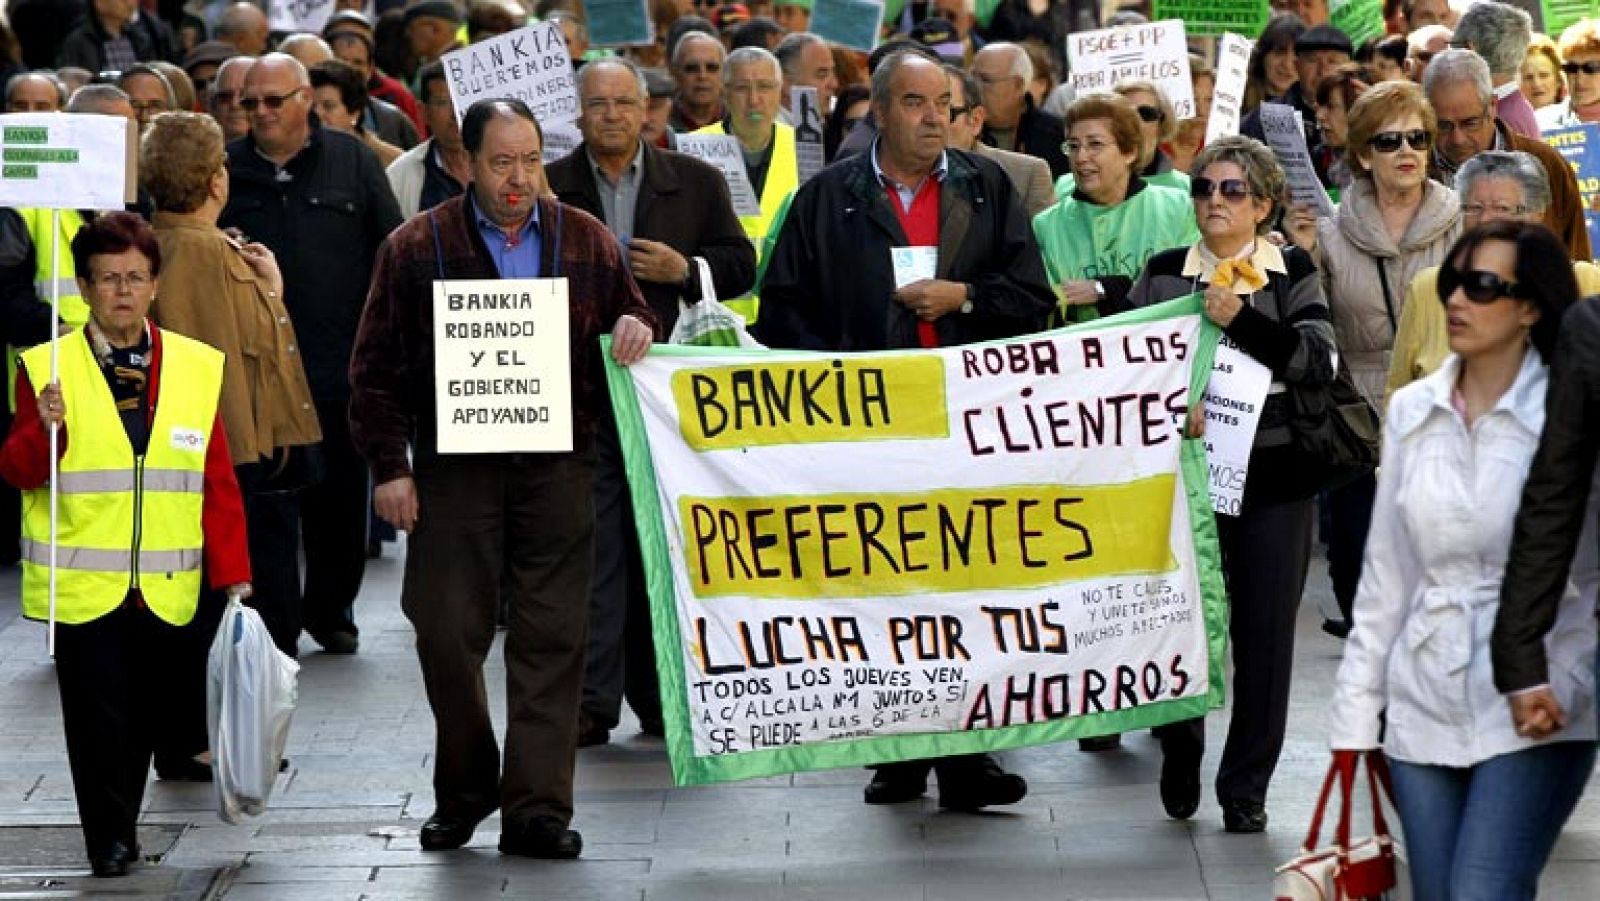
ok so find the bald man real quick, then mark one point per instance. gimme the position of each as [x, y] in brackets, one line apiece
[244, 26]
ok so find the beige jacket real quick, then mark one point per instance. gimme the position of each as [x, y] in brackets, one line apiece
[1350, 248]
[1029, 175]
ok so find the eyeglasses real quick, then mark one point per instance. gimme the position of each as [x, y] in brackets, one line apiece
[1499, 210]
[1234, 190]
[224, 97]
[1472, 123]
[270, 101]
[107, 281]
[1592, 67]
[1478, 285]
[698, 68]
[1389, 141]
[1150, 113]
[957, 112]
[1093, 148]
[756, 87]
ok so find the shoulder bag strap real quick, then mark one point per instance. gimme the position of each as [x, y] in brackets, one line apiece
[1388, 299]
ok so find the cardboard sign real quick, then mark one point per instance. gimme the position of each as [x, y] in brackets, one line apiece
[723, 152]
[1227, 99]
[1286, 135]
[1214, 17]
[68, 161]
[294, 16]
[502, 366]
[1154, 52]
[619, 23]
[806, 111]
[1233, 401]
[852, 23]
[1579, 145]
[530, 64]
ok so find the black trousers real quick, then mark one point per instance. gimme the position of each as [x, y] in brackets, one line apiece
[1349, 515]
[952, 771]
[333, 522]
[116, 701]
[621, 662]
[1266, 551]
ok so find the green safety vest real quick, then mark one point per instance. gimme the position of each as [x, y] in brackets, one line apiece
[783, 177]
[125, 522]
[74, 309]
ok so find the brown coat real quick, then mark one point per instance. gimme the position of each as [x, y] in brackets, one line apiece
[208, 292]
[1565, 214]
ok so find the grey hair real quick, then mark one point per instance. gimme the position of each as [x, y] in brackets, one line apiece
[790, 49]
[677, 51]
[1021, 65]
[153, 72]
[94, 98]
[1261, 169]
[1498, 32]
[1523, 168]
[891, 64]
[49, 77]
[1456, 65]
[745, 56]
[621, 62]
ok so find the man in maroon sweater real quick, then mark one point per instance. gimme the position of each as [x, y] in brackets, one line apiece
[481, 524]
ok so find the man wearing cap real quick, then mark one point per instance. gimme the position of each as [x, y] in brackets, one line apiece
[431, 28]
[1318, 51]
[349, 35]
[806, 62]
[727, 17]
[201, 63]
[661, 88]
[940, 36]
[438, 168]
[1004, 72]
[793, 15]
[666, 209]
[1500, 33]
[697, 67]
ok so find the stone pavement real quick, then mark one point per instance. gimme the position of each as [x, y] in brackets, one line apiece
[343, 824]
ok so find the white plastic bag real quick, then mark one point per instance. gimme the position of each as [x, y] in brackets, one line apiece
[250, 698]
[710, 323]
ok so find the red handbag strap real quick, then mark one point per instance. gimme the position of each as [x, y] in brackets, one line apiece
[1347, 764]
[1382, 786]
[1343, 771]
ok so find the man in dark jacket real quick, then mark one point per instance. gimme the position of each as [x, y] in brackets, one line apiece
[666, 208]
[831, 286]
[1004, 71]
[320, 201]
[1555, 500]
[114, 35]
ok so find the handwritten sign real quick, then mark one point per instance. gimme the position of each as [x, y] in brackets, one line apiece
[810, 155]
[851, 23]
[1154, 52]
[1233, 401]
[723, 152]
[1214, 17]
[1233, 68]
[865, 557]
[619, 23]
[502, 366]
[1579, 145]
[295, 16]
[1286, 135]
[530, 64]
[68, 161]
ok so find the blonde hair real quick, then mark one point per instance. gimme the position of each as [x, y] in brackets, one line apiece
[1169, 120]
[1581, 38]
[178, 156]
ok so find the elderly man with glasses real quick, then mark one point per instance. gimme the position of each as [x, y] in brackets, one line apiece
[697, 62]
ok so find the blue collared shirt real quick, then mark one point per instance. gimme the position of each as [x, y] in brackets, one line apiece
[515, 256]
[908, 193]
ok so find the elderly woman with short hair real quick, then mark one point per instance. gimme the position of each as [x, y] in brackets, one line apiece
[1541, 74]
[1269, 302]
[1158, 124]
[340, 96]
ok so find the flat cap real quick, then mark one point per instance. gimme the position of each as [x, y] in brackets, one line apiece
[434, 9]
[1323, 37]
[213, 52]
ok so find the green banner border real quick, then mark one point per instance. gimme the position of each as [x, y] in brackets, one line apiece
[688, 769]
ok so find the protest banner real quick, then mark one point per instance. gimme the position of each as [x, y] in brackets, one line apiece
[723, 152]
[1286, 135]
[1233, 400]
[530, 64]
[809, 153]
[1360, 20]
[295, 16]
[619, 23]
[1155, 52]
[1557, 15]
[1579, 145]
[1214, 17]
[859, 558]
[502, 366]
[1227, 96]
[850, 23]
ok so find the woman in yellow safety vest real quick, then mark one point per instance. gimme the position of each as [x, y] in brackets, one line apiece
[147, 496]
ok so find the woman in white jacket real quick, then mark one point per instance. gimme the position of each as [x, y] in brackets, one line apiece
[1481, 806]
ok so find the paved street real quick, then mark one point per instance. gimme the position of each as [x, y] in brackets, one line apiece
[343, 825]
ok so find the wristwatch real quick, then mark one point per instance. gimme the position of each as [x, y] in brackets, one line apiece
[1099, 291]
[966, 305]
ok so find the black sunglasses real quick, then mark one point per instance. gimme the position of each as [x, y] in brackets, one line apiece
[1150, 113]
[1389, 141]
[1479, 285]
[270, 101]
[1591, 67]
[1233, 189]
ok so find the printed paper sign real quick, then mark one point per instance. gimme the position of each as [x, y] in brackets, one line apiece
[1154, 52]
[530, 64]
[67, 161]
[1579, 145]
[1233, 67]
[857, 558]
[619, 23]
[294, 16]
[1286, 135]
[852, 23]
[1233, 401]
[502, 366]
[913, 264]
[1214, 17]
[723, 152]
[1557, 15]
[806, 111]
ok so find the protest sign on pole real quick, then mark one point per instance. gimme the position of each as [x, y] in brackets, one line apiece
[619, 23]
[859, 558]
[1227, 97]
[850, 23]
[1360, 20]
[502, 366]
[1286, 135]
[296, 16]
[1155, 52]
[806, 111]
[530, 64]
[723, 152]
[1233, 401]
[1579, 145]
[1214, 17]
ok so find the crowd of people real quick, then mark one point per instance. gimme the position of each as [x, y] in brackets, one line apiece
[299, 192]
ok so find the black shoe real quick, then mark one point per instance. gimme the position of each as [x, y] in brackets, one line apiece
[186, 770]
[893, 786]
[1338, 628]
[338, 641]
[989, 786]
[1100, 743]
[115, 862]
[591, 733]
[445, 833]
[653, 728]
[546, 838]
[1180, 783]
[1243, 816]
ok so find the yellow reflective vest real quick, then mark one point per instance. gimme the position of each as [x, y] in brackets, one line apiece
[125, 522]
[74, 309]
[783, 177]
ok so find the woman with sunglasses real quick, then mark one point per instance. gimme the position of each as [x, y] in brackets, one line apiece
[1481, 805]
[1269, 302]
[1390, 224]
[1579, 47]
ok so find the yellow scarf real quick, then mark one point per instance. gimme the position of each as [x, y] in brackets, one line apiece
[1230, 271]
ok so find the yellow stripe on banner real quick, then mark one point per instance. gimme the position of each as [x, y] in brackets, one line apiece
[957, 539]
[811, 401]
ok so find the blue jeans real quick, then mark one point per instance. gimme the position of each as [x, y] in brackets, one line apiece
[1484, 832]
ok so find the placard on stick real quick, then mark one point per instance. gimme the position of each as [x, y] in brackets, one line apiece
[68, 161]
[851, 23]
[618, 23]
[294, 16]
[502, 366]
[1155, 52]
[1227, 100]
[530, 64]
